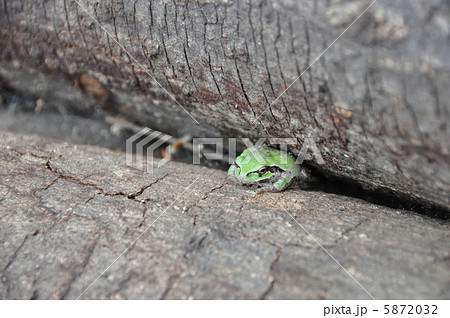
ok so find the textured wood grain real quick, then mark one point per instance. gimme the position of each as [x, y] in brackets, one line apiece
[376, 103]
[68, 211]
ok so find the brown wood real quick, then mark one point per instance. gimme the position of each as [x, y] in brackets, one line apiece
[376, 103]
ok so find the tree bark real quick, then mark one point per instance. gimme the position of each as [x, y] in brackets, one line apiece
[375, 103]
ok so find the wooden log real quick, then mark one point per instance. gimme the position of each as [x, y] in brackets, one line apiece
[68, 211]
[375, 103]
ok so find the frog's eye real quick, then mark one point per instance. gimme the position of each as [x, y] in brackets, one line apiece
[262, 171]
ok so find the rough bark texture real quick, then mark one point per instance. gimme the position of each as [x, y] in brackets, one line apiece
[67, 212]
[376, 103]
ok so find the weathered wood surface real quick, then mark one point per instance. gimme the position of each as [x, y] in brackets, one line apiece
[67, 212]
[376, 103]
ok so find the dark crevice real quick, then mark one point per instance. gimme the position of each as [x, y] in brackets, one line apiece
[204, 197]
[212, 74]
[325, 182]
[272, 274]
[67, 20]
[243, 88]
[75, 275]
[195, 244]
[16, 252]
[322, 181]
[34, 296]
[381, 196]
[189, 68]
[131, 196]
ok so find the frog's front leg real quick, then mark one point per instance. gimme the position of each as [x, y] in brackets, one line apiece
[278, 185]
[231, 171]
[283, 182]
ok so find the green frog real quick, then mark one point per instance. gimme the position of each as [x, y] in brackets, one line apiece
[270, 169]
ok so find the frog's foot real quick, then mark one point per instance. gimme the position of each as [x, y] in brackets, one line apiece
[277, 186]
[262, 190]
[231, 171]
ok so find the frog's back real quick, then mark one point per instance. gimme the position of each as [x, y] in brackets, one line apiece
[271, 157]
[280, 159]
